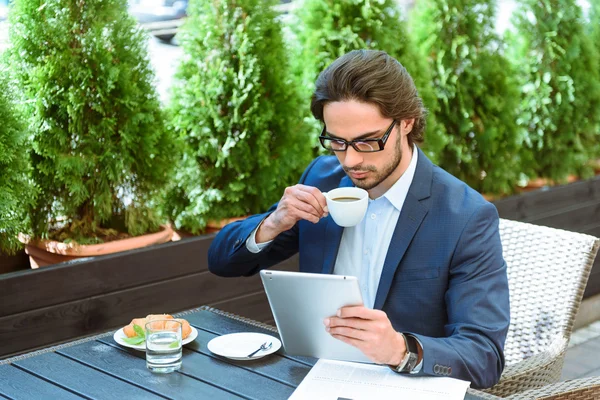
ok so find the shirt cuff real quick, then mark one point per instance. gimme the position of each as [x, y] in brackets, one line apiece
[251, 244]
[418, 367]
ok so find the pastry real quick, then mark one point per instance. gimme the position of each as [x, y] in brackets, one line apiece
[129, 331]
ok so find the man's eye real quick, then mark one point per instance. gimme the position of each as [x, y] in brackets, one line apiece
[365, 146]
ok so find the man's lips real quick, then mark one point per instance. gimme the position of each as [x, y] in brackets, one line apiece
[358, 174]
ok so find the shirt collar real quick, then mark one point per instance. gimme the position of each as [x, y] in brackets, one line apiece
[399, 190]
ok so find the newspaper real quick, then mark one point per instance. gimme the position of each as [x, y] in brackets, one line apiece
[341, 380]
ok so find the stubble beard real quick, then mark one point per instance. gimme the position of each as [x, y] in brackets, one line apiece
[380, 176]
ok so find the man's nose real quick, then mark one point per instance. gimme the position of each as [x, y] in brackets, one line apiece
[352, 157]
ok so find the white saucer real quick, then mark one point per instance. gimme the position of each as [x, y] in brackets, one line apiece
[237, 346]
[120, 335]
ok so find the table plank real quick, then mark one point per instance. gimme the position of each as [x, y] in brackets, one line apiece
[132, 369]
[81, 379]
[242, 382]
[20, 385]
[275, 366]
[101, 369]
[221, 325]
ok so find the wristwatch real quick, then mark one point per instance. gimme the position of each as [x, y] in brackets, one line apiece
[409, 361]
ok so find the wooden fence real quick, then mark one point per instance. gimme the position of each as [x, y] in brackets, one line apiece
[65, 301]
[573, 207]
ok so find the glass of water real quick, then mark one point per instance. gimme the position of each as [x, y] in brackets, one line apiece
[163, 345]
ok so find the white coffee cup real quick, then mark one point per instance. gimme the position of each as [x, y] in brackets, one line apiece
[347, 205]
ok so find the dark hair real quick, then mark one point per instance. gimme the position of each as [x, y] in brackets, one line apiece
[371, 76]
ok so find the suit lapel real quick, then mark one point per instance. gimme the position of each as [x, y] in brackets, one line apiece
[412, 215]
[333, 236]
[408, 223]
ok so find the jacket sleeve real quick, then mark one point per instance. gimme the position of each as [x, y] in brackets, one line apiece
[477, 301]
[228, 255]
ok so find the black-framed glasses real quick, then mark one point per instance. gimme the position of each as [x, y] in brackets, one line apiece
[360, 145]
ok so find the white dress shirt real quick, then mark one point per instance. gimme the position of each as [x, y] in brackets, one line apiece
[363, 247]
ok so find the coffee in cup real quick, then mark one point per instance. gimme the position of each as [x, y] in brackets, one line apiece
[348, 205]
[346, 199]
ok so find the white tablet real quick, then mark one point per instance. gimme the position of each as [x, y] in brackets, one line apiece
[301, 301]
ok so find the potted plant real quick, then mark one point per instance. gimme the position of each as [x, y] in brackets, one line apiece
[101, 150]
[326, 29]
[559, 73]
[235, 105]
[593, 30]
[478, 99]
[16, 188]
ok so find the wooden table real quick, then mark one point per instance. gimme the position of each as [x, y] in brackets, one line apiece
[98, 368]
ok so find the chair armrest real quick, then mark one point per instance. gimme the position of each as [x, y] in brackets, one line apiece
[536, 371]
[576, 389]
[475, 394]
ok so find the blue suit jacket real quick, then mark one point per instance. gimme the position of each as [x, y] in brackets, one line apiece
[444, 279]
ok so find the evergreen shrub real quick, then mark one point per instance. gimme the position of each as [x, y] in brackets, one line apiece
[593, 29]
[593, 23]
[476, 90]
[236, 106]
[100, 148]
[328, 29]
[16, 189]
[560, 84]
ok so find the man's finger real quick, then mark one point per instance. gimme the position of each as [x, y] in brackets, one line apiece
[298, 205]
[307, 216]
[352, 333]
[351, 341]
[318, 195]
[308, 197]
[360, 312]
[356, 323]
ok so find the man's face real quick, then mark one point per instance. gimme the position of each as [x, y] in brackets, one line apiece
[375, 172]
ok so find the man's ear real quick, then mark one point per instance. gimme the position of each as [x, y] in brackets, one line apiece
[407, 125]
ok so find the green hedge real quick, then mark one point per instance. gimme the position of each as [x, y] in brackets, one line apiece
[478, 98]
[560, 83]
[238, 128]
[238, 109]
[101, 152]
[16, 189]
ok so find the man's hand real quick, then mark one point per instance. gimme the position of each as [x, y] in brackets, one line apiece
[369, 330]
[298, 202]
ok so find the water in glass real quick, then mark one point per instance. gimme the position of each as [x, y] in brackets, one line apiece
[163, 350]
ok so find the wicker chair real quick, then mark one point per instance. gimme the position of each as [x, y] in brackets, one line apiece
[548, 270]
[578, 389]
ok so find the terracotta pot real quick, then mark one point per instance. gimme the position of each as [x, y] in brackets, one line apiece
[179, 234]
[596, 165]
[218, 225]
[539, 183]
[48, 252]
[211, 227]
[489, 197]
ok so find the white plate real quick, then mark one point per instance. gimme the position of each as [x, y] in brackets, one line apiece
[120, 335]
[237, 346]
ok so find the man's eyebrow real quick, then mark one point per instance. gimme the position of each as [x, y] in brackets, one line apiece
[363, 136]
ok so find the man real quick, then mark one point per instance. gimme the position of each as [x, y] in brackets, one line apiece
[427, 254]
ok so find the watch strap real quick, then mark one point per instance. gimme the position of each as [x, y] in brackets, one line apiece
[409, 361]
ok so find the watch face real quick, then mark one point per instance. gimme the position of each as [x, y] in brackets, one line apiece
[412, 362]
